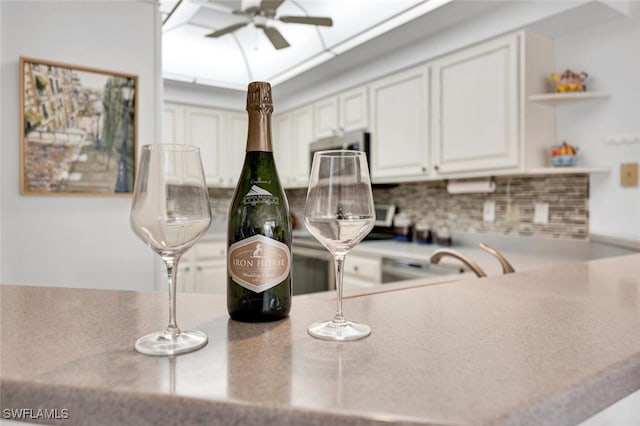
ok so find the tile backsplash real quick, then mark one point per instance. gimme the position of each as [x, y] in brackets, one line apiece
[514, 197]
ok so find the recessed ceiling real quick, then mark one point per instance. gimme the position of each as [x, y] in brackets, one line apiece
[234, 59]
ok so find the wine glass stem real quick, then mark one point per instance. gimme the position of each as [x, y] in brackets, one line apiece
[172, 275]
[339, 269]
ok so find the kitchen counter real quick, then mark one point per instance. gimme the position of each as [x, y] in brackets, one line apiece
[549, 346]
[524, 253]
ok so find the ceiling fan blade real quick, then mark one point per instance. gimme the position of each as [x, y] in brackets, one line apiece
[270, 5]
[275, 37]
[226, 30]
[311, 20]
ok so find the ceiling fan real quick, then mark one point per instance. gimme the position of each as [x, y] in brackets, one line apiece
[260, 16]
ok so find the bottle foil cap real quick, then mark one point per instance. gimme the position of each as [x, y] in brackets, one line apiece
[259, 96]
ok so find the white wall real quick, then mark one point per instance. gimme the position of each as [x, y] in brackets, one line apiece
[74, 241]
[610, 54]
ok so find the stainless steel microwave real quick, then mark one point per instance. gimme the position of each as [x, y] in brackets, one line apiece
[355, 141]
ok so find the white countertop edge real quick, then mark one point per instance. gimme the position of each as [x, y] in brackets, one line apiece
[627, 243]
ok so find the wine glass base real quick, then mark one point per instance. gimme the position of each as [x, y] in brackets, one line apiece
[339, 331]
[162, 343]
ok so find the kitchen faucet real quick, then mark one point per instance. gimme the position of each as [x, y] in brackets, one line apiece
[440, 253]
[506, 266]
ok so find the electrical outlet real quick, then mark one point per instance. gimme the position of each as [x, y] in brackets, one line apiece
[541, 213]
[629, 174]
[489, 211]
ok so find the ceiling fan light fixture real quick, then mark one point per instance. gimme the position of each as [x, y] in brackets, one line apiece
[260, 15]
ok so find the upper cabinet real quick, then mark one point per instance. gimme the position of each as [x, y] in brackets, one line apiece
[234, 149]
[344, 112]
[483, 121]
[325, 115]
[172, 124]
[204, 129]
[353, 108]
[292, 133]
[400, 126]
[474, 112]
[220, 135]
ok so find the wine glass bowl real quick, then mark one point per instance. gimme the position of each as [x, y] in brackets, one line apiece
[339, 213]
[170, 212]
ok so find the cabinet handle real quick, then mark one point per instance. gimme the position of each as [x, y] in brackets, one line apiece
[355, 268]
[199, 268]
[436, 168]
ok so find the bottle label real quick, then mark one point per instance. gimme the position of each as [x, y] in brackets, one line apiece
[258, 195]
[258, 263]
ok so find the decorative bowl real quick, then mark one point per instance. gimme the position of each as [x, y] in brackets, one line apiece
[564, 160]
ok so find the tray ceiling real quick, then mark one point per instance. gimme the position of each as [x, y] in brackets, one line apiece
[234, 59]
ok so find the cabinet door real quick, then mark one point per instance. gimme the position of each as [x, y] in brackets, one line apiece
[325, 113]
[211, 277]
[235, 148]
[350, 282]
[400, 125]
[185, 278]
[282, 137]
[302, 126]
[203, 129]
[354, 109]
[365, 268]
[172, 124]
[476, 108]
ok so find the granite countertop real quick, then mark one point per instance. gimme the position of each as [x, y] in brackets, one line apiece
[550, 346]
[521, 261]
[524, 253]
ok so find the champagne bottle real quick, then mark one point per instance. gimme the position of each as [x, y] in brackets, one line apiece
[259, 229]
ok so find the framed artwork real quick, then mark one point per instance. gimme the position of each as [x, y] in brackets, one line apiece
[79, 129]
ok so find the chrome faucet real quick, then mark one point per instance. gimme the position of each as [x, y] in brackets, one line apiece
[440, 253]
[506, 266]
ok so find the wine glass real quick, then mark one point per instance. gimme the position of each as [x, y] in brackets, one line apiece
[339, 212]
[170, 212]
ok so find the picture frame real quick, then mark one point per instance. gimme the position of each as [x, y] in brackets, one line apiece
[79, 129]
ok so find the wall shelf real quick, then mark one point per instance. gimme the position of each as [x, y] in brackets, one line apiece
[556, 171]
[566, 170]
[555, 98]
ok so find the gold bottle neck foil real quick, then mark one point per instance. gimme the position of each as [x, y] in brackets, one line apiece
[259, 108]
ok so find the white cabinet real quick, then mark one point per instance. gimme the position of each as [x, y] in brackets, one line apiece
[202, 269]
[172, 124]
[353, 108]
[482, 120]
[220, 135]
[203, 128]
[210, 267]
[400, 126]
[325, 116]
[210, 277]
[362, 272]
[344, 112]
[234, 149]
[292, 133]
[282, 139]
